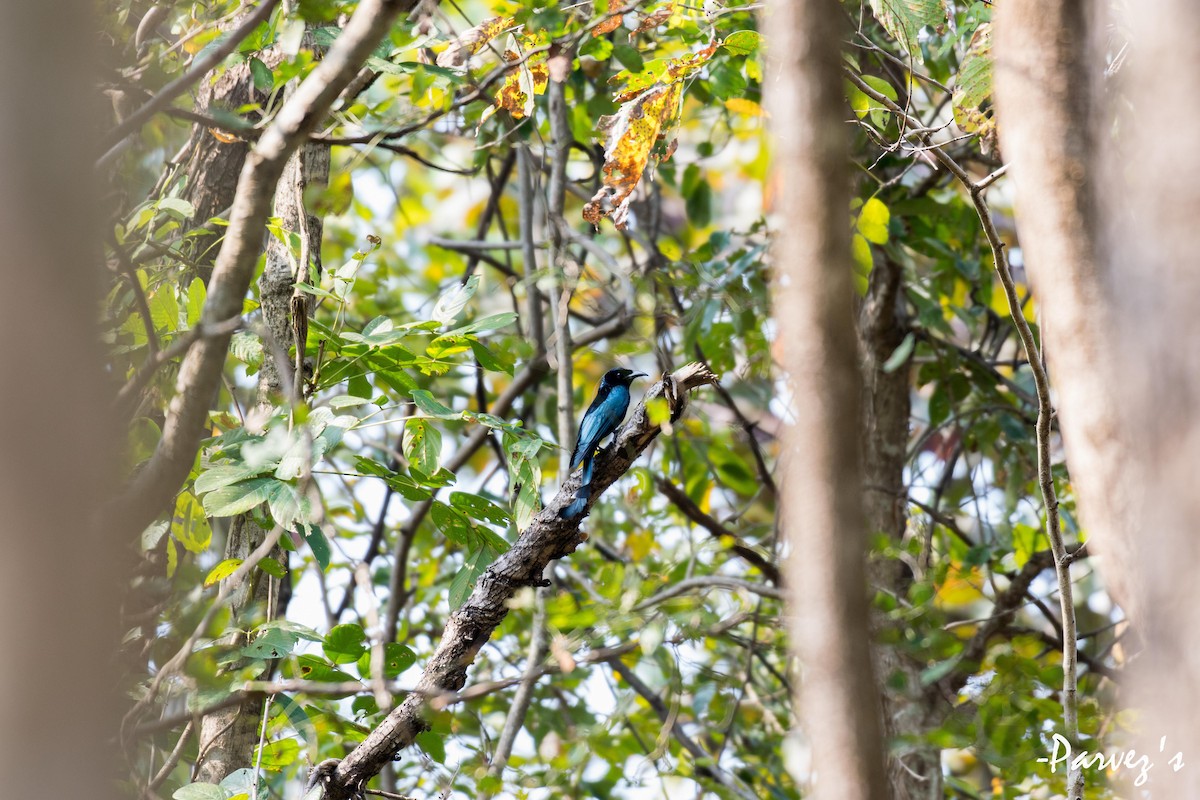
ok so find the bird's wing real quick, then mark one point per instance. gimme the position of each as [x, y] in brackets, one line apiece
[601, 419]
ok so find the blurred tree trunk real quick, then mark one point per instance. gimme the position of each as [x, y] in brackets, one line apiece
[1044, 88]
[1110, 241]
[822, 513]
[1150, 202]
[59, 573]
[910, 710]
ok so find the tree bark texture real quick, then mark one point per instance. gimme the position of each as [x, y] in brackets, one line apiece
[59, 575]
[228, 737]
[1044, 78]
[822, 503]
[910, 710]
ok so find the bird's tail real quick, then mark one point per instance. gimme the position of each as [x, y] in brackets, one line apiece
[582, 494]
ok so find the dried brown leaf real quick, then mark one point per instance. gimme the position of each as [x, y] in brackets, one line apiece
[471, 41]
[651, 21]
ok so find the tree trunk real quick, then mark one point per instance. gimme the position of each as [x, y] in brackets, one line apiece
[228, 737]
[1043, 91]
[822, 513]
[1149, 209]
[914, 769]
[59, 575]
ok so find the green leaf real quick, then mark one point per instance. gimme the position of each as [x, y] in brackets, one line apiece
[904, 19]
[742, 43]
[240, 783]
[425, 401]
[451, 304]
[288, 506]
[489, 360]
[432, 744]
[527, 500]
[935, 673]
[238, 498]
[479, 508]
[422, 445]
[315, 669]
[973, 85]
[164, 308]
[629, 57]
[154, 533]
[271, 643]
[222, 571]
[345, 643]
[195, 302]
[450, 344]
[410, 67]
[273, 567]
[247, 348]
[277, 755]
[177, 207]
[490, 323]
[264, 79]
[224, 475]
[189, 525]
[396, 659]
[900, 354]
[318, 544]
[201, 791]
[463, 583]
[453, 524]
[294, 628]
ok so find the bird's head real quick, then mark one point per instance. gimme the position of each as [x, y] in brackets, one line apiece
[621, 376]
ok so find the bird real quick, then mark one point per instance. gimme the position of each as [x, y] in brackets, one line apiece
[601, 419]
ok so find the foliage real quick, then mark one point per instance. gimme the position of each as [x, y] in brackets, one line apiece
[415, 340]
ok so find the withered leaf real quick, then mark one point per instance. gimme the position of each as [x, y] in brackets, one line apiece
[472, 41]
[653, 20]
[607, 26]
[646, 112]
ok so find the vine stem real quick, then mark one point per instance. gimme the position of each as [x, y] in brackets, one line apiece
[1062, 561]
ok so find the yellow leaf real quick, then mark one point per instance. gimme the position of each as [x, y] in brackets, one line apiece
[740, 105]
[960, 587]
[873, 221]
[640, 544]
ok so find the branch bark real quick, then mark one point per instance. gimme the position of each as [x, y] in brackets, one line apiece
[548, 537]
[821, 512]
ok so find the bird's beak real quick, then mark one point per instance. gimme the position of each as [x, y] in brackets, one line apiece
[638, 375]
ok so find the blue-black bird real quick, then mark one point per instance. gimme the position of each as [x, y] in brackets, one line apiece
[601, 419]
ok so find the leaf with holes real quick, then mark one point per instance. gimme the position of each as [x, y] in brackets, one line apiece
[973, 87]
[422, 445]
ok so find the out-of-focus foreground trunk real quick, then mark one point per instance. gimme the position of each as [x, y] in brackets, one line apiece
[58, 575]
[1107, 218]
[822, 513]
[1044, 80]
